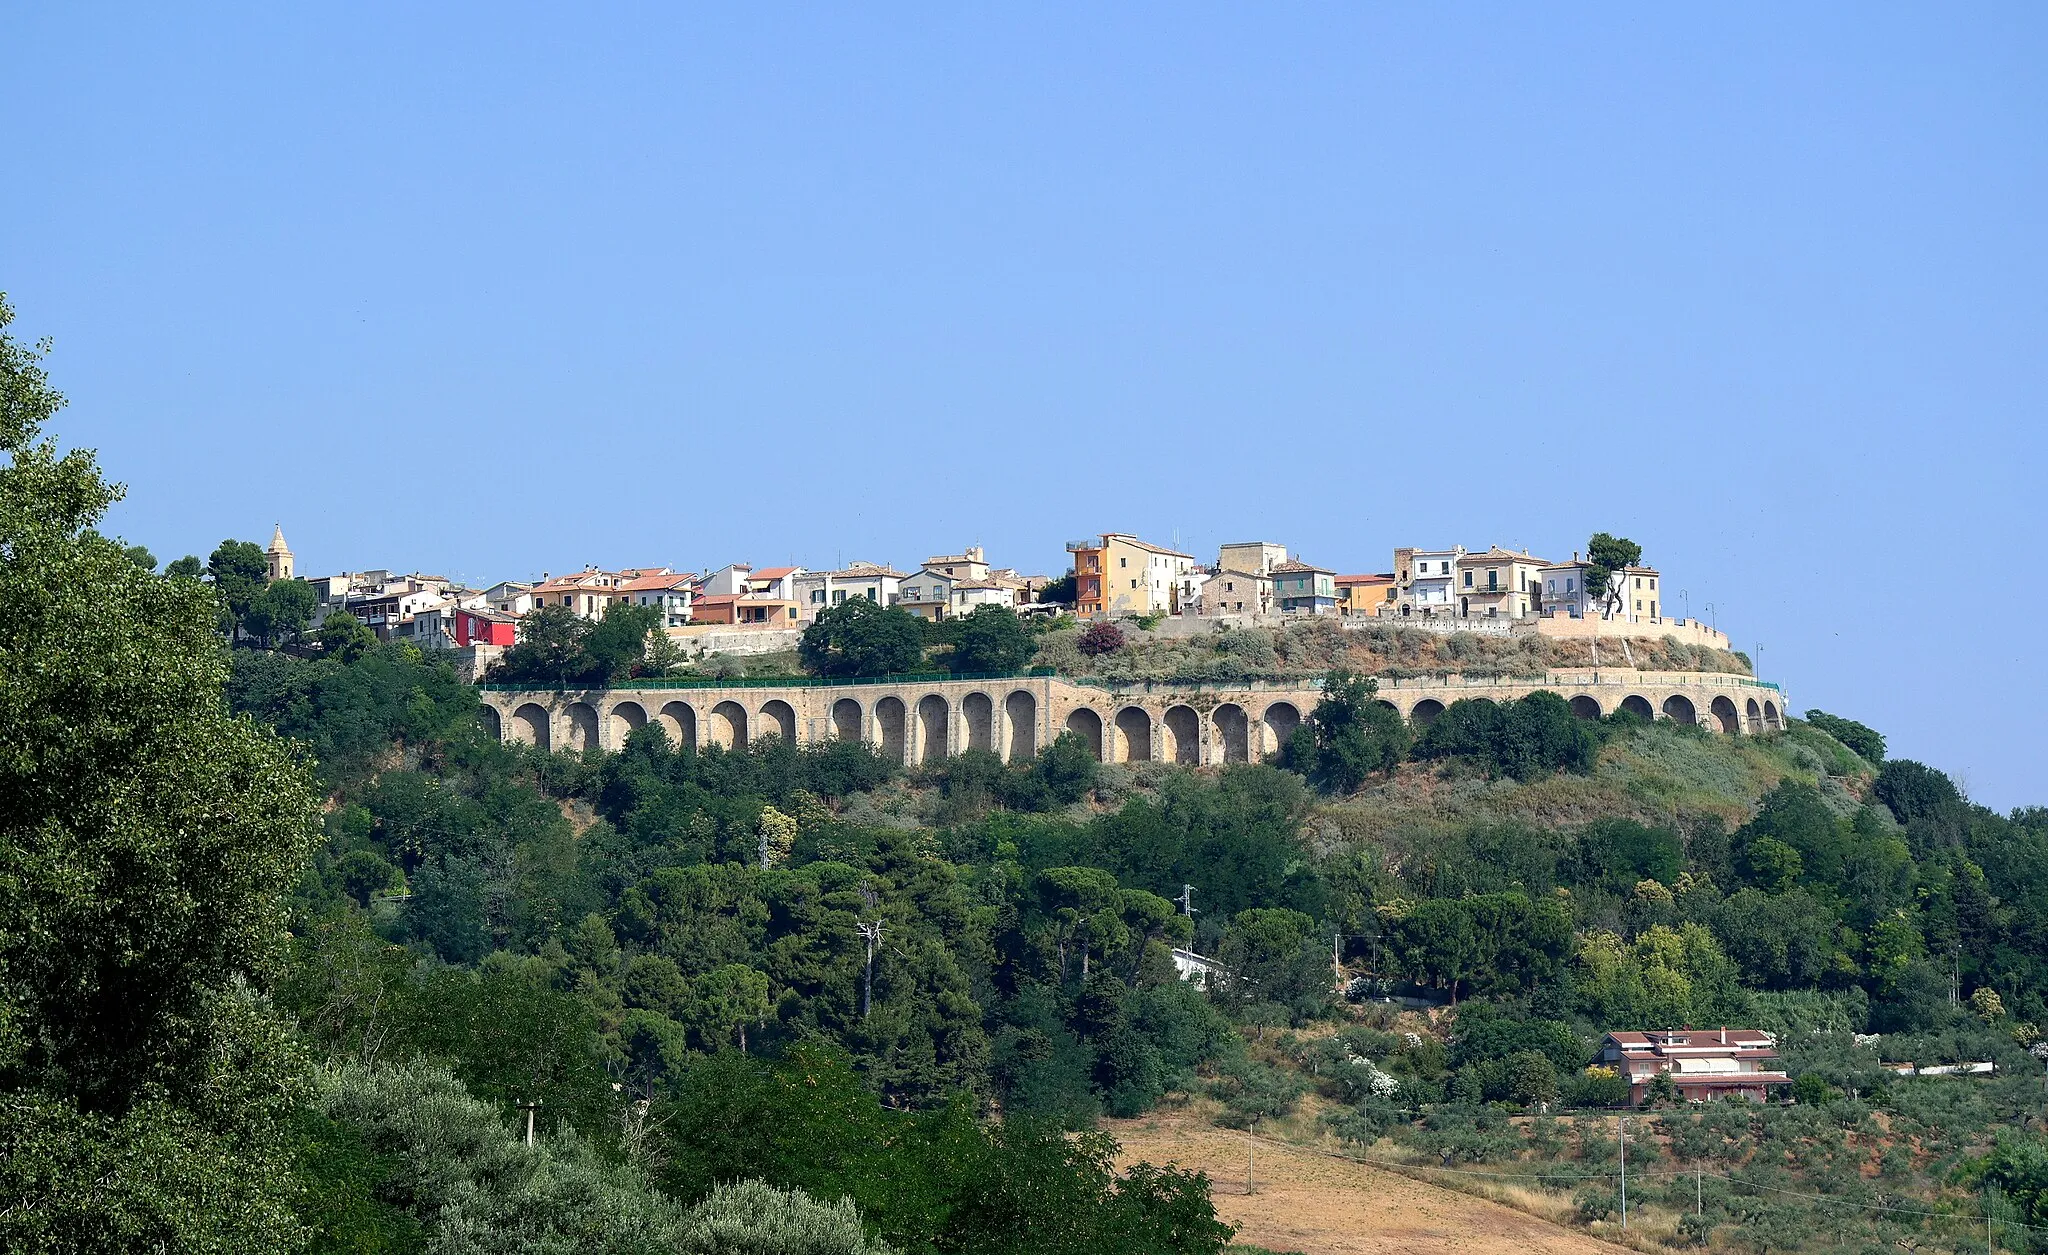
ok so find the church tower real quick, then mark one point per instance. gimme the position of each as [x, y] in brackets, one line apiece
[280, 555]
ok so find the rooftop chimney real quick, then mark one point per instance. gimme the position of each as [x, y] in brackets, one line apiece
[1724, 1034]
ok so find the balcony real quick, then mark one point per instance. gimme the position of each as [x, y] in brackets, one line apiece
[1079, 546]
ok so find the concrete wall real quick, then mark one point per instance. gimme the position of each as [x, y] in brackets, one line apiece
[1689, 631]
[1192, 724]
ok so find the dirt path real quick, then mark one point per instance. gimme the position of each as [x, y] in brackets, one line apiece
[1325, 1206]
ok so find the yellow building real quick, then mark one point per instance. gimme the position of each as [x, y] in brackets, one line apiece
[1499, 583]
[1366, 595]
[1122, 575]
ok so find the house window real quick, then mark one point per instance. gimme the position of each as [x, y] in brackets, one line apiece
[1493, 581]
[1122, 562]
[1653, 607]
[838, 596]
[818, 596]
[1569, 583]
[1468, 579]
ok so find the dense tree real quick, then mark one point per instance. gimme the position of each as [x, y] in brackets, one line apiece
[1351, 735]
[148, 839]
[549, 650]
[1059, 592]
[1525, 738]
[991, 639]
[239, 572]
[188, 567]
[343, 636]
[281, 612]
[860, 638]
[1867, 742]
[615, 646]
[1915, 791]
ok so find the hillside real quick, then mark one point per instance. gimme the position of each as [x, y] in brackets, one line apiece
[1321, 1204]
[1526, 879]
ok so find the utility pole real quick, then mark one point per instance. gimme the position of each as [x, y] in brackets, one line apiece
[1621, 1134]
[1186, 900]
[1699, 1191]
[529, 1108]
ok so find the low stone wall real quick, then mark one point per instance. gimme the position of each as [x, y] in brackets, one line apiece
[1685, 631]
[700, 640]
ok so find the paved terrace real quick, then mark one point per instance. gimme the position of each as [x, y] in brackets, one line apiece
[919, 719]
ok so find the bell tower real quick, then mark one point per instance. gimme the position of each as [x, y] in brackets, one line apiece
[280, 555]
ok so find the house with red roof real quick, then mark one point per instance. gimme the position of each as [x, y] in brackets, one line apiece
[1704, 1064]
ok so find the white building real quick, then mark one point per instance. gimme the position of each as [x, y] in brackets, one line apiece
[728, 581]
[667, 591]
[510, 597]
[818, 590]
[1427, 580]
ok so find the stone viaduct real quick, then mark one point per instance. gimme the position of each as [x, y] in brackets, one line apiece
[918, 720]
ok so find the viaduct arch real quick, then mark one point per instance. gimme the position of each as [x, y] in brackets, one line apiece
[928, 721]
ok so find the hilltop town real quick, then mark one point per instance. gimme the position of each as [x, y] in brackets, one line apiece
[743, 609]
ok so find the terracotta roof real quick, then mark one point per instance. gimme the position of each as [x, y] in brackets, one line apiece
[719, 599]
[649, 583]
[776, 572]
[580, 580]
[1293, 567]
[1743, 1039]
[1352, 580]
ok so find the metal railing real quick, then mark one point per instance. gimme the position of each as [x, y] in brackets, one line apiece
[778, 682]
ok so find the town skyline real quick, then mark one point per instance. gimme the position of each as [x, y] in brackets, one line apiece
[1212, 277]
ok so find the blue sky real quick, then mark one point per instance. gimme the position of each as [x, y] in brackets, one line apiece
[493, 290]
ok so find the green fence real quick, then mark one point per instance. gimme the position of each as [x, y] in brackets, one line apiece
[786, 682]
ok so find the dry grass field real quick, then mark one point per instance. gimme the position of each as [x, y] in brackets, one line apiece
[1319, 1205]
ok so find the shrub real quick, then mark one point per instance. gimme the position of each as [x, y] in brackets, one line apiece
[1100, 639]
[1596, 1087]
[755, 1218]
